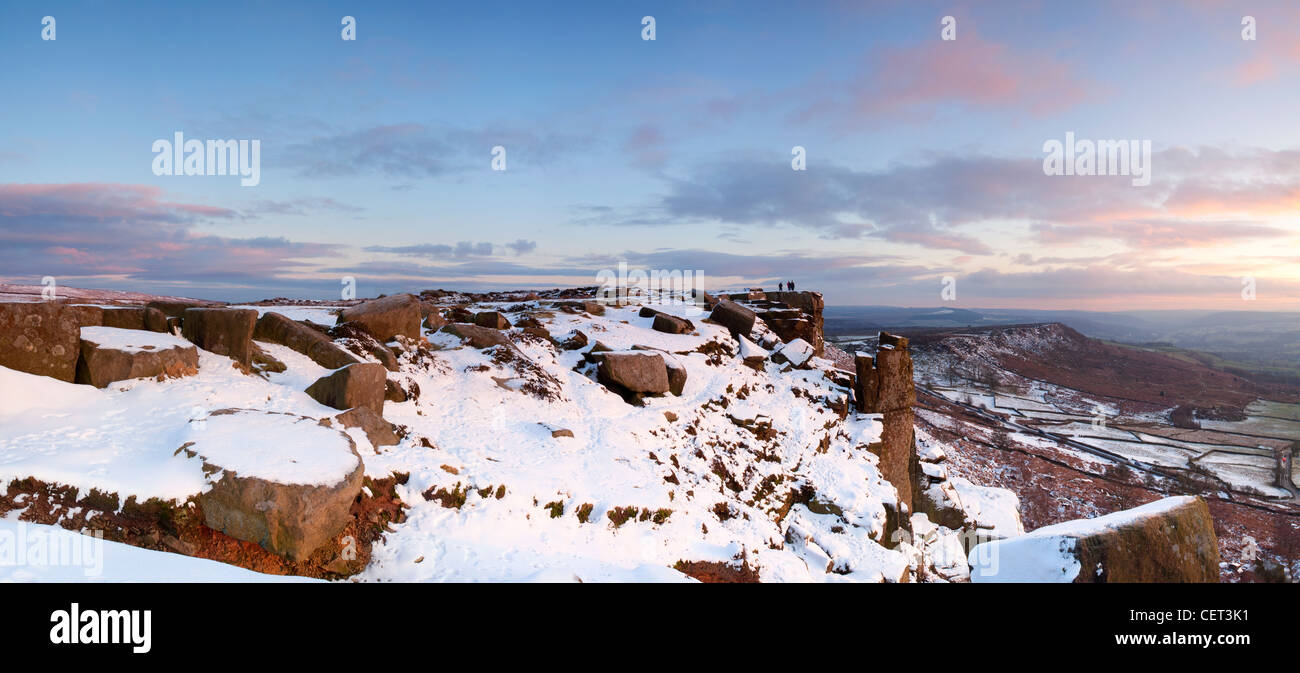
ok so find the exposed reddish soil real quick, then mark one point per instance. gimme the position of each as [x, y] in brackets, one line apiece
[719, 572]
[166, 526]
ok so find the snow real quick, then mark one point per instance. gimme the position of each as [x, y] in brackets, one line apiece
[748, 349]
[121, 439]
[1037, 559]
[40, 553]
[321, 315]
[996, 511]
[274, 447]
[797, 352]
[132, 340]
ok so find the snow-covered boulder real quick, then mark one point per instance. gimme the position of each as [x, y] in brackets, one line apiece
[797, 353]
[1169, 540]
[281, 481]
[752, 355]
[110, 354]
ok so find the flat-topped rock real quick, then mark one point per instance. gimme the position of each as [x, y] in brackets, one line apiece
[281, 481]
[110, 354]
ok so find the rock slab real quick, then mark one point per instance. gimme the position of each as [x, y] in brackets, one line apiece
[224, 331]
[110, 354]
[386, 317]
[357, 385]
[40, 338]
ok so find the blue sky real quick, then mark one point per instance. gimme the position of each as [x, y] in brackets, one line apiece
[924, 155]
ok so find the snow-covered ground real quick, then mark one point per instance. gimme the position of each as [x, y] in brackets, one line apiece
[712, 474]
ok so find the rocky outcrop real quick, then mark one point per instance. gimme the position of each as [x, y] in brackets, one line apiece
[805, 321]
[591, 307]
[224, 331]
[110, 354]
[40, 338]
[386, 317]
[357, 385]
[251, 500]
[1169, 540]
[883, 384]
[279, 329]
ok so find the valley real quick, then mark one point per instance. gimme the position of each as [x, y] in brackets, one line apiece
[1078, 427]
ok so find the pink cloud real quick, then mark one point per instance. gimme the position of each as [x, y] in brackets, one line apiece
[84, 229]
[98, 200]
[911, 81]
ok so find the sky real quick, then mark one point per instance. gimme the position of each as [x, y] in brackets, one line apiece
[923, 181]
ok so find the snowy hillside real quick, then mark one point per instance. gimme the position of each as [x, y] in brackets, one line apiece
[512, 461]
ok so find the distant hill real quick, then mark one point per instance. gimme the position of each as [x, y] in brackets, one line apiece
[1260, 342]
